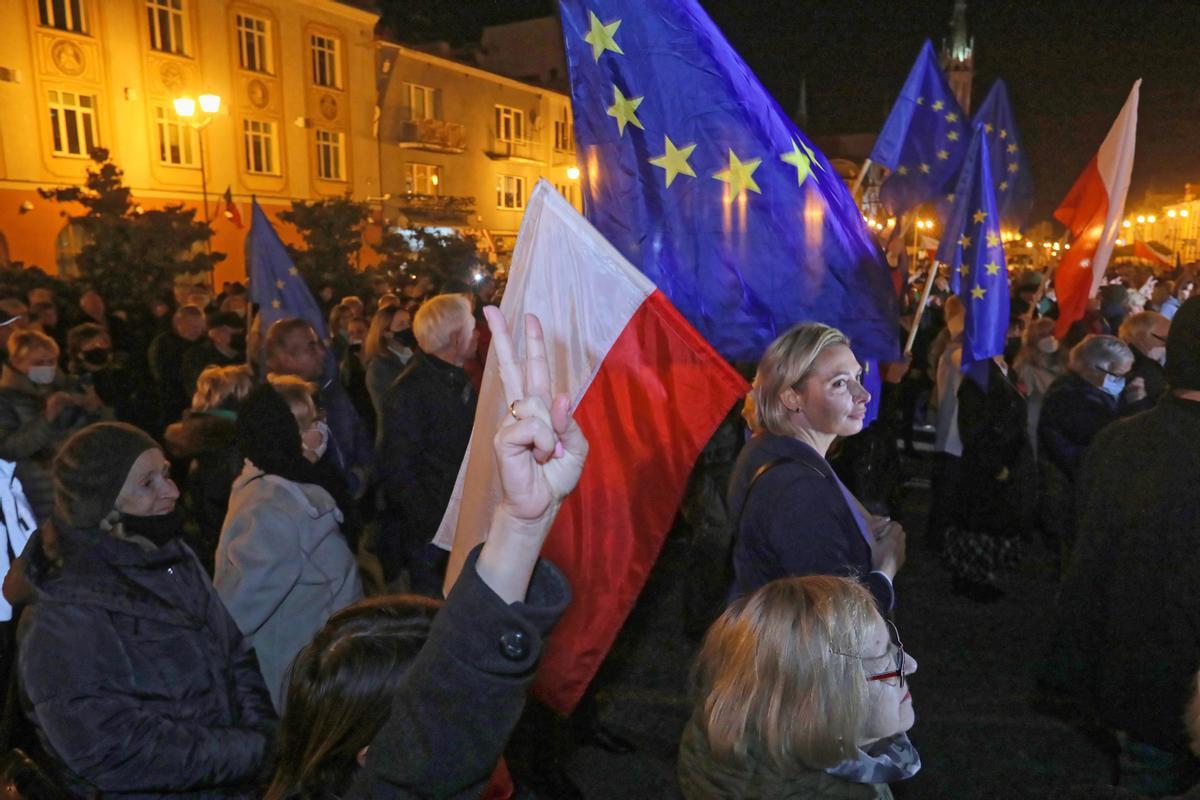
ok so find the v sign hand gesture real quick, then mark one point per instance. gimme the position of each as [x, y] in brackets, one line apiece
[540, 452]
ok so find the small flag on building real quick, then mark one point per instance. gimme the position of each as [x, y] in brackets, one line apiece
[231, 210]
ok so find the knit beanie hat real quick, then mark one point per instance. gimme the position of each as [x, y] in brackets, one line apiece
[1183, 347]
[91, 468]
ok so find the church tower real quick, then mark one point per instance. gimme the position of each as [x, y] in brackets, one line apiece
[958, 59]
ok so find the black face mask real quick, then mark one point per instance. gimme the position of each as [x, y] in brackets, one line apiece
[238, 342]
[159, 529]
[406, 337]
[96, 357]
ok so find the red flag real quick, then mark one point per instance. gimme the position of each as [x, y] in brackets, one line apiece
[1092, 210]
[231, 209]
[1146, 251]
[647, 391]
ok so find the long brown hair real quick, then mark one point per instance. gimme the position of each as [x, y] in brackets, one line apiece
[340, 693]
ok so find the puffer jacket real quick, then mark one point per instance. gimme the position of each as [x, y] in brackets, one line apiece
[283, 567]
[135, 676]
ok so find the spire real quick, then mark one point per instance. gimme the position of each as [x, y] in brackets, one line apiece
[958, 57]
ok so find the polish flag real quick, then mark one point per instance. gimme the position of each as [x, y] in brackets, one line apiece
[1092, 210]
[648, 393]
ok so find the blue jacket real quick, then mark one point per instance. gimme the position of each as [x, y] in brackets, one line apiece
[1073, 412]
[796, 521]
[136, 677]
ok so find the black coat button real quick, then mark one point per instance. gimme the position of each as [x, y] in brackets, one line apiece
[514, 646]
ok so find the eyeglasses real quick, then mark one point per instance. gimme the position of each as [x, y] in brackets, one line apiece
[898, 672]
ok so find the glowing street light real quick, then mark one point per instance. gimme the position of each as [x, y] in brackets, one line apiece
[210, 103]
[1127, 224]
[573, 173]
[1141, 219]
[185, 108]
[1151, 219]
[1171, 213]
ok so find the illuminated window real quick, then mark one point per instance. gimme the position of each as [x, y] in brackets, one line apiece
[420, 102]
[329, 155]
[66, 15]
[325, 61]
[569, 191]
[564, 132]
[423, 179]
[176, 139]
[67, 246]
[259, 143]
[73, 123]
[510, 192]
[166, 26]
[510, 124]
[254, 43]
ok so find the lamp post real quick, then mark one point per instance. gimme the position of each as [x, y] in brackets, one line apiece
[185, 108]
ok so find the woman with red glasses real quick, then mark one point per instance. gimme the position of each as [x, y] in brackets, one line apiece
[801, 691]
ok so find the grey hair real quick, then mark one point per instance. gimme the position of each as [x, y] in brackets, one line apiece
[1099, 353]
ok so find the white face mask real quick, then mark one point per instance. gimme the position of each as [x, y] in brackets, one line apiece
[43, 376]
[316, 440]
[1048, 345]
[1159, 354]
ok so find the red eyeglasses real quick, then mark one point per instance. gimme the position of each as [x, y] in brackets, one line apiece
[898, 672]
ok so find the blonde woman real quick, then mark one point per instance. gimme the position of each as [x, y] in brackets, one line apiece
[792, 514]
[801, 691]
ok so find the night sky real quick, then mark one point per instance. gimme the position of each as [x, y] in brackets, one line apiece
[1069, 65]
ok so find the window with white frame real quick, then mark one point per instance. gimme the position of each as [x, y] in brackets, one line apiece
[176, 139]
[564, 132]
[510, 124]
[73, 123]
[510, 192]
[423, 178]
[66, 15]
[567, 190]
[325, 68]
[330, 165]
[254, 43]
[165, 18]
[260, 145]
[420, 101]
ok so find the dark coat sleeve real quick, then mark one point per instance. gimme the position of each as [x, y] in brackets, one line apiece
[1069, 423]
[403, 439]
[466, 689]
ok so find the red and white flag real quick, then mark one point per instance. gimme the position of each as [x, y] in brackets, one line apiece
[648, 393]
[1092, 211]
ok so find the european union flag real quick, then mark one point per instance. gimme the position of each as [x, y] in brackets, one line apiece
[275, 283]
[702, 181]
[971, 247]
[1010, 170]
[924, 138]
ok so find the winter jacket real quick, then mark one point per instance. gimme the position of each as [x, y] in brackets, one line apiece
[29, 439]
[351, 445]
[209, 441]
[1073, 412]
[1153, 375]
[702, 777]
[166, 355]
[795, 521]
[426, 425]
[382, 371]
[282, 568]
[134, 674]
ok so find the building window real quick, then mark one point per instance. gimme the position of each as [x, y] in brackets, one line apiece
[254, 43]
[423, 179]
[258, 139]
[67, 246]
[325, 61]
[66, 15]
[567, 190]
[510, 124]
[420, 102]
[166, 25]
[329, 155]
[73, 123]
[510, 192]
[176, 139]
[564, 132]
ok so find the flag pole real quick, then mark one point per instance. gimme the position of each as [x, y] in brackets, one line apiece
[858, 179]
[912, 330]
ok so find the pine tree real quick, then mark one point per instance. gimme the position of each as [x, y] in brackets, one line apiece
[332, 231]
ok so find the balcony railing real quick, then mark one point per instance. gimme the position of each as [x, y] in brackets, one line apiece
[526, 150]
[434, 135]
[427, 209]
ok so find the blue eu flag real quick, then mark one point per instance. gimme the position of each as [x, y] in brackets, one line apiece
[971, 247]
[924, 138]
[1010, 169]
[275, 283]
[702, 181]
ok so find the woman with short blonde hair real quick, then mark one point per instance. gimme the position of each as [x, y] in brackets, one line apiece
[801, 688]
[787, 362]
[217, 385]
[439, 318]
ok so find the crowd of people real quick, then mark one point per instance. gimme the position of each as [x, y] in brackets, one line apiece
[232, 589]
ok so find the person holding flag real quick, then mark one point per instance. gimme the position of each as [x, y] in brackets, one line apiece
[996, 459]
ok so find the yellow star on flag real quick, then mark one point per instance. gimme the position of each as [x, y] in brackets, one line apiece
[993, 240]
[979, 216]
[279, 284]
[978, 292]
[952, 117]
[938, 106]
[293, 271]
[950, 197]
[276, 304]
[992, 268]
[925, 168]
[943, 154]
[624, 109]
[675, 160]
[988, 127]
[901, 170]
[964, 270]
[1013, 167]
[964, 241]
[802, 160]
[1004, 186]
[740, 175]
[952, 136]
[600, 37]
[1012, 148]
[920, 101]
[1003, 133]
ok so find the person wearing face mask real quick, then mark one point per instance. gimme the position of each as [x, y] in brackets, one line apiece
[132, 672]
[1146, 334]
[388, 348]
[801, 691]
[792, 514]
[1079, 405]
[1038, 364]
[283, 566]
[92, 362]
[39, 409]
[225, 346]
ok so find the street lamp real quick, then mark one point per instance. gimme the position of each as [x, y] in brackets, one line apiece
[185, 108]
